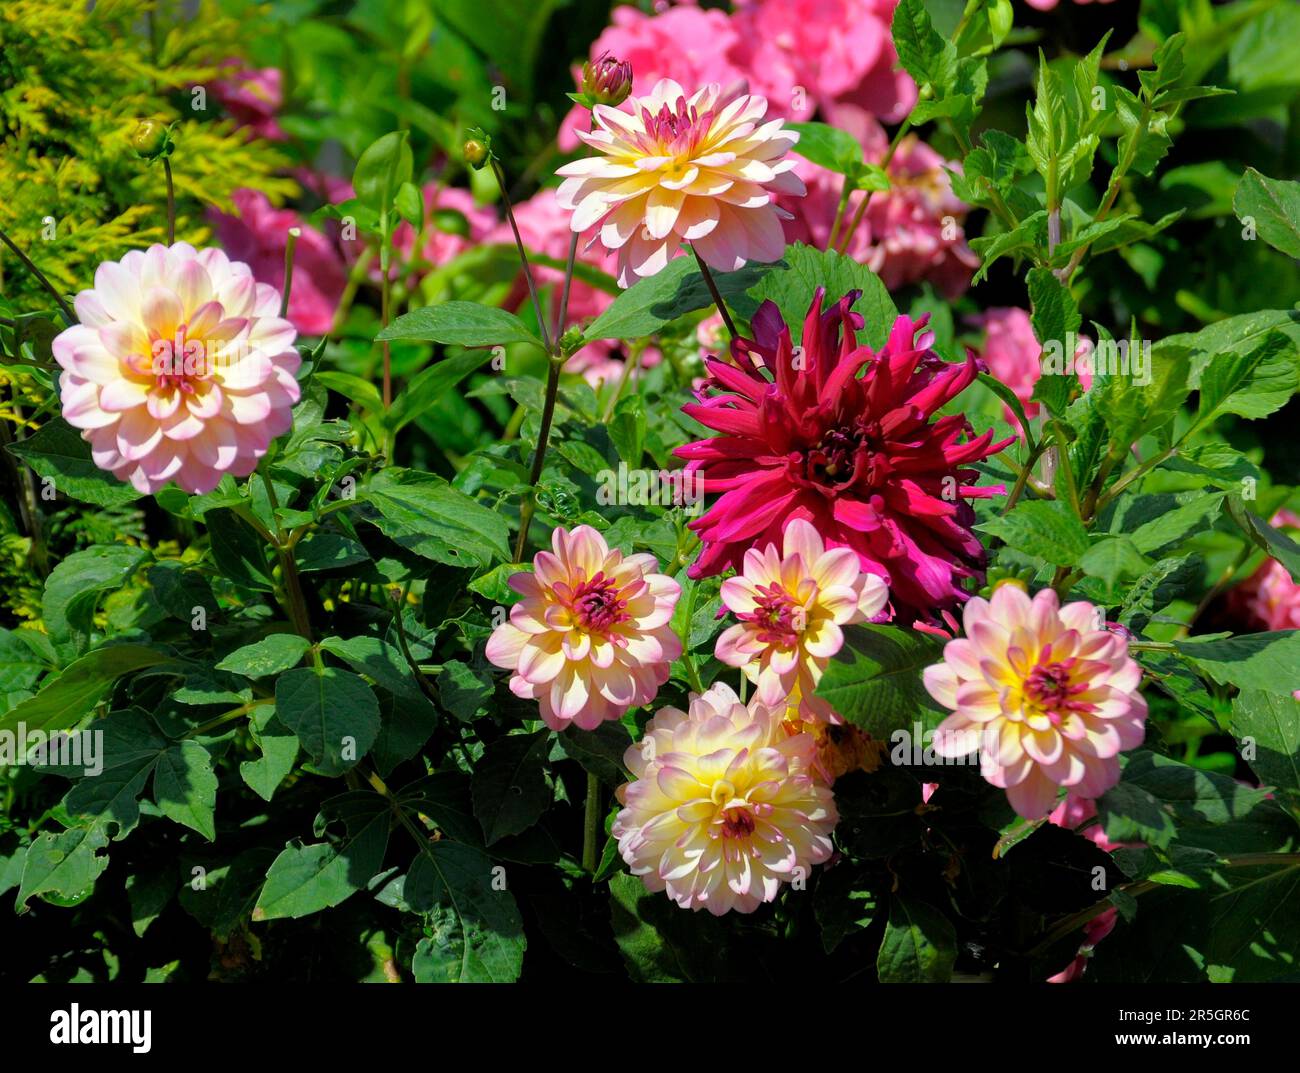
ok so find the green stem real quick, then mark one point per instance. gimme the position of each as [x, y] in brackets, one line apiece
[862, 205]
[591, 825]
[68, 316]
[845, 191]
[529, 505]
[290, 244]
[717, 297]
[171, 202]
[523, 255]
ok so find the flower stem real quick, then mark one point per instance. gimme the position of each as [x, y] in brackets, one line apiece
[171, 202]
[568, 283]
[295, 604]
[591, 824]
[529, 505]
[290, 243]
[66, 310]
[523, 256]
[862, 205]
[717, 298]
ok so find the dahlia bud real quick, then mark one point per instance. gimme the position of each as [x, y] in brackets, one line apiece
[151, 139]
[476, 152]
[607, 80]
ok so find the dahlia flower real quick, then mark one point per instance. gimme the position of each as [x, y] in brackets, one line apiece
[181, 368]
[591, 636]
[1048, 698]
[670, 169]
[723, 807]
[257, 235]
[812, 435]
[791, 604]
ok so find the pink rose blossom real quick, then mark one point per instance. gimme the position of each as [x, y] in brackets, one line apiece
[180, 369]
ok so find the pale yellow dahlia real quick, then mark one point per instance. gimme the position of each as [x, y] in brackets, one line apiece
[724, 806]
[669, 169]
[591, 637]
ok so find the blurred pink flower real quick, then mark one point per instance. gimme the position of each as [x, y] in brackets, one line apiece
[442, 246]
[257, 235]
[1048, 5]
[911, 233]
[800, 54]
[1013, 355]
[1268, 599]
[252, 96]
[544, 226]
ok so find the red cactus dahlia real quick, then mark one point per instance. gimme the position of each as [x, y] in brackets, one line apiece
[842, 436]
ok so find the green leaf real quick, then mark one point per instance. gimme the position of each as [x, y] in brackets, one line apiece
[333, 713]
[74, 587]
[1277, 544]
[1113, 560]
[65, 865]
[185, 787]
[465, 323]
[57, 451]
[1171, 527]
[271, 655]
[1267, 661]
[510, 791]
[1274, 205]
[478, 936]
[428, 388]
[1267, 728]
[409, 203]
[833, 149]
[1156, 796]
[279, 747]
[425, 515]
[65, 699]
[131, 746]
[658, 941]
[381, 170]
[1044, 528]
[874, 681]
[649, 304]
[600, 751]
[240, 554]
[1026, 237]
[792, 283]
[306, 879]
[1056, 321]
[463, 690]
[842, 904]
[926, 56]
[919, 947]
[1251, 385]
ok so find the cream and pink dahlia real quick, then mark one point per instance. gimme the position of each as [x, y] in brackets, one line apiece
[845, 437]
[591, 637]
[791, 602]
[724, 806]
[669, 169]
[181, 368]
[1047, 695]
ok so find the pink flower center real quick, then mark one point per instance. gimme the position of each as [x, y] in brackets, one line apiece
[779, 618]
[179, 363]
[1050, 688]
[675, 130]
[595, 603]
[737, 823]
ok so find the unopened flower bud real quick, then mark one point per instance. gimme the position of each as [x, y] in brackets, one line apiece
[475, 152]
[607, 80]
[151, 139]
